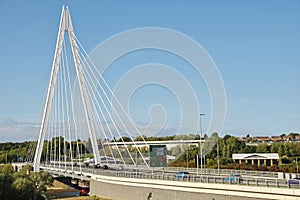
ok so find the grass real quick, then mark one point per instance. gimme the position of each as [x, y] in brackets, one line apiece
[58, 186]
[85, 198]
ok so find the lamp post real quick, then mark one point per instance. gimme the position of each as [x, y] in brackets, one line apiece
[297, 166]
[218, 156]
[200, 145]
[187, 158]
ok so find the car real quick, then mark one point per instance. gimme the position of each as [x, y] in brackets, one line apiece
[121, 167]
[183, 175]
[234, 178]
[83, 192]
[294, 181]
[96, 165]
[105, 167]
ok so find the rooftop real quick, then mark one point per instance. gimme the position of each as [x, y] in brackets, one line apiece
[249, 156]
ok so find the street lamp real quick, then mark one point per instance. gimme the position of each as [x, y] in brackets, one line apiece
[200, 145]
[218, 155]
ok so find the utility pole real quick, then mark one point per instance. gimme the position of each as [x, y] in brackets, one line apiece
[200, 145]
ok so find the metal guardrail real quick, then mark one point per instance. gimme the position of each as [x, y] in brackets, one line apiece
[260, 182]
[226, 171]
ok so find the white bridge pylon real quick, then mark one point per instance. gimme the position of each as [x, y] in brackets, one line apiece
[65, 26]
[63, 114]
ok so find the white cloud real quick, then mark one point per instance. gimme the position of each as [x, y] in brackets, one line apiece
[14, 131]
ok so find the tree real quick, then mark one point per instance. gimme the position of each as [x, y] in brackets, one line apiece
[281, 150]
[42, 180]
[262, 148]
[24, 184]
[224, 149]
[124, 139]
[226, 137]
[140, 138]
[285, 159]
[23, 188]
[293, 149]
[286, 149]
[248, 149]
[274, 147]
[282, 135]
[210, 146]
[6, 179]
[293, 135]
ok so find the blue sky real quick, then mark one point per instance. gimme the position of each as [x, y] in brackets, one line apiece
[255, 45]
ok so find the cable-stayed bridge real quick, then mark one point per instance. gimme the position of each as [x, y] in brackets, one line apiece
[78, 113]
[85, 130]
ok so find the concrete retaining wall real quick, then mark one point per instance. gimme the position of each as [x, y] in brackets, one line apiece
[138, 189]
